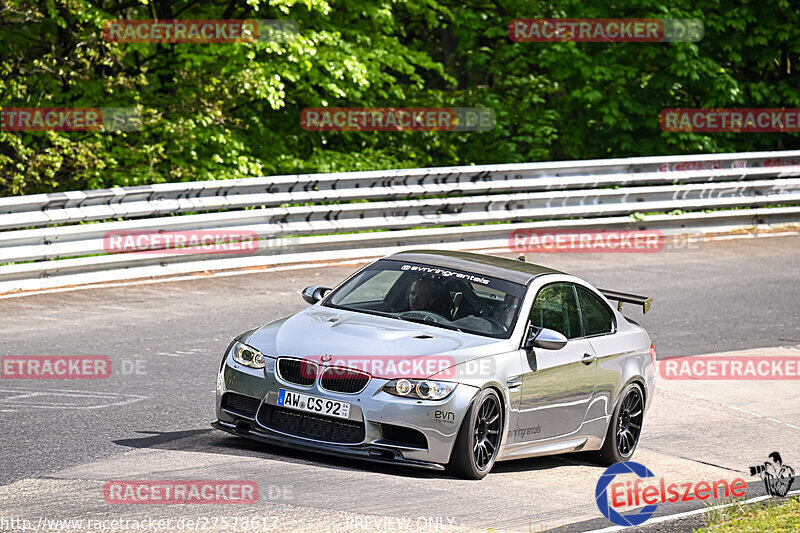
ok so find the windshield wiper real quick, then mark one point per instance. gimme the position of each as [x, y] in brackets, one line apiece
[427, 323]
[358, 310]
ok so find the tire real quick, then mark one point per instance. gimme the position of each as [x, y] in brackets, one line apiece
[479, 437]
[625, 427]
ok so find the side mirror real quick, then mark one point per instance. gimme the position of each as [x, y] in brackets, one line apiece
[546, 339]
[314, 293]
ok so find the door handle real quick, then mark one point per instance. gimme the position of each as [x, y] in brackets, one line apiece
[589, 358]
[514, 382]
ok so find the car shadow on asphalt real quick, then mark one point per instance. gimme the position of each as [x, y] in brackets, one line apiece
[543, 463]
[217, 442]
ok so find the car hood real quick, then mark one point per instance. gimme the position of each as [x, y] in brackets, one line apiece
[318, 331]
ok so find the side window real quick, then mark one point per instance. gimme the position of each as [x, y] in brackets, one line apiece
[556, 308]
[597, 320]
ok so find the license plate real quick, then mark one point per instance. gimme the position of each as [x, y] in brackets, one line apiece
[313, 404]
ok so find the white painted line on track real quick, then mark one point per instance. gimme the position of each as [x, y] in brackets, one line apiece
[100, 399]
[762, 416]
[690, 513]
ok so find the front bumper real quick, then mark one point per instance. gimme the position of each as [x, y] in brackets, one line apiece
[374, 453]
[379, 417]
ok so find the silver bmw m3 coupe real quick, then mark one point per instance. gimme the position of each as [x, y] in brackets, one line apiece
[442, 359]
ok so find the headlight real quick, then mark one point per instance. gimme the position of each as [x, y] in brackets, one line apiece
[248, 356]
[423, 389]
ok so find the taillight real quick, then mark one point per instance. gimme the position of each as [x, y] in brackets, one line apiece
[653, 353]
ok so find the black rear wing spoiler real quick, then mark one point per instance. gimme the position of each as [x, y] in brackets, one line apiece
[621, 297]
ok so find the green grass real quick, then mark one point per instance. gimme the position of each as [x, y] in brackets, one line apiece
[767, 516]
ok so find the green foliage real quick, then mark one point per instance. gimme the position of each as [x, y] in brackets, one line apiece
[770, 516]
[219, 111]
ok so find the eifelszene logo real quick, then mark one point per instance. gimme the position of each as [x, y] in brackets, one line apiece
[605, 504]
[633, 494]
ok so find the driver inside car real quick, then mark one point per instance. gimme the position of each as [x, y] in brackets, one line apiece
[508, 310]
[425, 294]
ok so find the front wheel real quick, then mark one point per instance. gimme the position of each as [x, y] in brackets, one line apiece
[479, 437]
[624, 428]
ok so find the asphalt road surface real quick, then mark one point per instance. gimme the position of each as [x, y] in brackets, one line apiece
[150, 419]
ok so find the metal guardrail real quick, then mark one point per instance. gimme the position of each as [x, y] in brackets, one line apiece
[46, 238]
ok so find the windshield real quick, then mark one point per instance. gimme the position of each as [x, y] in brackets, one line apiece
[451, 299]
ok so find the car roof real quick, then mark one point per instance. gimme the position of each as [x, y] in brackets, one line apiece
[489, 265]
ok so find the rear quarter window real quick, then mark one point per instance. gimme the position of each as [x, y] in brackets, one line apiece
[597, 318]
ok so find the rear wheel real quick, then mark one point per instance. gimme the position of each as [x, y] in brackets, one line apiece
[625, 427]
[479, 437]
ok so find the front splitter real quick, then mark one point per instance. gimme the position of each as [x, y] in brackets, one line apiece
[362, 453]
